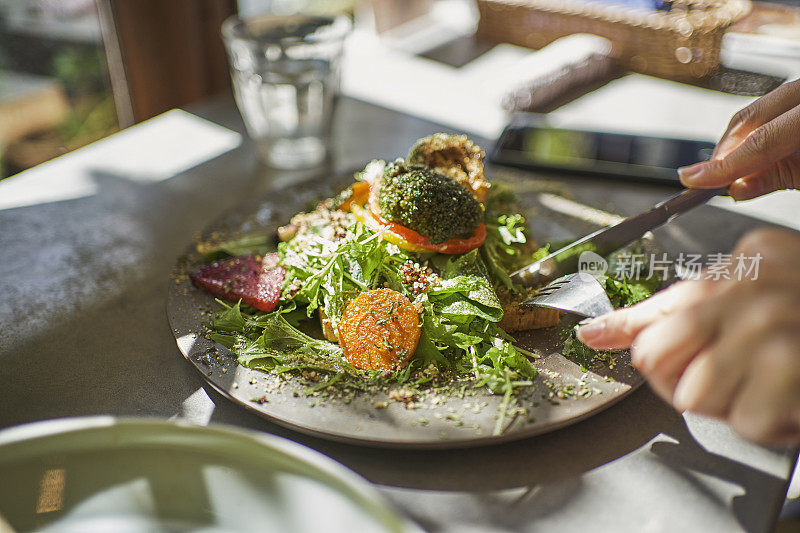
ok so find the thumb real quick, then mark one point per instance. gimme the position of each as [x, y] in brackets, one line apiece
[785, 174]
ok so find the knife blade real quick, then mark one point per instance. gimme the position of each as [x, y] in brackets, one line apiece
[607, 240]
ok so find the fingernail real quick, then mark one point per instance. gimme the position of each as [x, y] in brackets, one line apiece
[590, 331]
[692, 173]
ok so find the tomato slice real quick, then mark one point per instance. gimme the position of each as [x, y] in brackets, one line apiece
[412, 241]
[365, 216]
[450, 246]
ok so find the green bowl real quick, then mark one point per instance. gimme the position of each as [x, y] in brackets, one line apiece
[131, 475]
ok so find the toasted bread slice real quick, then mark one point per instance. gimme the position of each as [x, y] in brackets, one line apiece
[519, 318]
[327, 327]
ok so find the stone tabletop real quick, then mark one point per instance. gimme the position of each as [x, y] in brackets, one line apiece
[88, 242]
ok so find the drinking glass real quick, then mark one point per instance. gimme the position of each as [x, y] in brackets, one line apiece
[286, 76]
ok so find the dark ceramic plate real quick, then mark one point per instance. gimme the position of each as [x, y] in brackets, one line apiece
[450, 422]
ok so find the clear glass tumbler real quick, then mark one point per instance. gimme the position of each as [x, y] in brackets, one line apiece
[286, 76]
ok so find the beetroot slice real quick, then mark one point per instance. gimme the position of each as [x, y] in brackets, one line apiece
[256, 282]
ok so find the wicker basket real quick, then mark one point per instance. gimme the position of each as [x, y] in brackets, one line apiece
[680, 44]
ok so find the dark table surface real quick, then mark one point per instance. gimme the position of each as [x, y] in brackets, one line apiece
[84, 284]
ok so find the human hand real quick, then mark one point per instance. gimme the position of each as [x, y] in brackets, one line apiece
[758, 152]
[728, 349]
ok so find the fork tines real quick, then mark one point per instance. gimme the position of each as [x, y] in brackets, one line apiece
[550, 289]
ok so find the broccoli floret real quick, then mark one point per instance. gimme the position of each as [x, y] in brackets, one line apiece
[431, 204]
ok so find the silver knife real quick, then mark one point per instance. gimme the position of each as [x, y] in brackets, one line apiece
[607, 240]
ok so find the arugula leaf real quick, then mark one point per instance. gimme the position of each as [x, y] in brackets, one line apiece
[270, 342]
[459, 321]
[332, 274]
[623, 293]
[230, 319]
[463, 297]
[505, 232]
[511, 229]
[450, 266]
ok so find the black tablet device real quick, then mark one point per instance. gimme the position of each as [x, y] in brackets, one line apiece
[529, 142]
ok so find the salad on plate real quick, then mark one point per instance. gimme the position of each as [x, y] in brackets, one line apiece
[400, 282]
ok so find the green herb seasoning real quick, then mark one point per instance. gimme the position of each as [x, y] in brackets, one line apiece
[431, 204]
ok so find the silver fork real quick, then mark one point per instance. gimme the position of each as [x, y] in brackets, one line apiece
[578, 293]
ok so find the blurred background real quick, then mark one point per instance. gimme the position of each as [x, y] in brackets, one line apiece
[75, 71]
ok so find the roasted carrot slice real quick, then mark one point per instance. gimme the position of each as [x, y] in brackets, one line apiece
[358, 195]
[379, 330]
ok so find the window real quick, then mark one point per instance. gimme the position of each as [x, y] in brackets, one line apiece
[55, 91]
